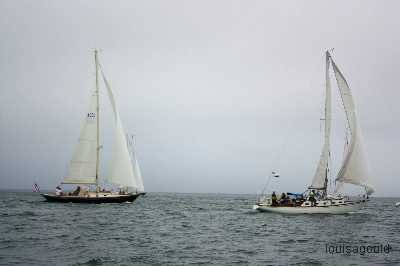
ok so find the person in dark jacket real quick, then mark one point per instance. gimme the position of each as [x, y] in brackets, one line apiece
[283, 199]
[274, 199]
[311, 197]
[76, 191]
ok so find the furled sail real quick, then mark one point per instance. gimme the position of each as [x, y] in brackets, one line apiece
[354, 169]
[320, 178]
[82, 169]
[121, 171]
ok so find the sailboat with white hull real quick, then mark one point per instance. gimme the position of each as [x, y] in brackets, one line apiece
[354, 169]
[84, 170]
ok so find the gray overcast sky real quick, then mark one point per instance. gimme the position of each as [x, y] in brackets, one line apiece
[218, 93]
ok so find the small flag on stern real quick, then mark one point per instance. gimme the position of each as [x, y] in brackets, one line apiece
[275, 174]
[36, 187]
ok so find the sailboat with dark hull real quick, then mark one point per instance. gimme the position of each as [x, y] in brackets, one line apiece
[354, 168]
[93, 198]
[84, 168]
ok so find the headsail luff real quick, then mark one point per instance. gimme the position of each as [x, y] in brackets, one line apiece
[354, 169]
[320, 178]
[121, 171]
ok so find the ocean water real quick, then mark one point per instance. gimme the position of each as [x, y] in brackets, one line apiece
[182, 229]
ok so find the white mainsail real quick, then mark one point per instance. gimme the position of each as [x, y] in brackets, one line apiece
[354, 169]
[82, 169]
[320, 178]
[121, 171]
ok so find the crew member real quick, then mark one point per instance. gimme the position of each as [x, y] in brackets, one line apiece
[58, 191]
[273, 197]
[283, 199]
[76, 191]
[311, 197]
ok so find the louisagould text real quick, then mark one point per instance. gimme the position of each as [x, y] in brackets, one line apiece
[357, 249]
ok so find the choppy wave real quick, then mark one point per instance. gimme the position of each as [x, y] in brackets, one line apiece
[182, 229]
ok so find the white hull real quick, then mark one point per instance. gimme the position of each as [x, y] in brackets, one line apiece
[398, 204]
[339, 209]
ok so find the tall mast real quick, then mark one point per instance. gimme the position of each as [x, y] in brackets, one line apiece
[98, 121]
[327, 117]
[319, 181]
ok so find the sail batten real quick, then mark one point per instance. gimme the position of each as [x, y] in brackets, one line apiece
[80, 180]
[354, 169]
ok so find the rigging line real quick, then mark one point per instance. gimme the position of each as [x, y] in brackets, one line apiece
[281, 151]
[314, 74]
[329, 171]
[337, 72]
[276, 161]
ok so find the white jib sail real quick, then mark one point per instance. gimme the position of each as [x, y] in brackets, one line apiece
[121, 171]
[138, 174]
[136, 168]
[320, 178]
[82, 169]
[354, 169]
